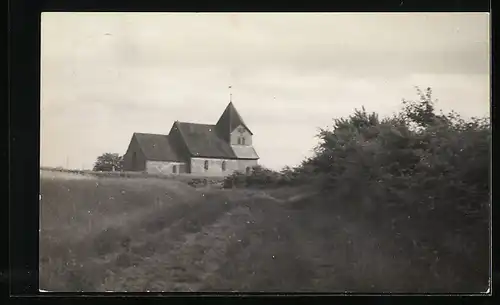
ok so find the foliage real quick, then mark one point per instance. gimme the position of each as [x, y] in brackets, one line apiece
[262, 177]
[415, 169]
[439, 159]
[109, 162]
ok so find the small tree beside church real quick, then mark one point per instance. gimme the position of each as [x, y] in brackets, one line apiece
[108, 162]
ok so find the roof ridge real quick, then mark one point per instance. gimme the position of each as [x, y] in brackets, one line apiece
[152, 134]
[195, 123]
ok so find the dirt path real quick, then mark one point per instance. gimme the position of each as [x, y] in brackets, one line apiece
[262, 244]
[234, 240]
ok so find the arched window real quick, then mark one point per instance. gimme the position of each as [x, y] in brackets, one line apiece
[248, 170]
[174, 169]
[239, 140]
[206, 164]
[242, 141]
[223, 165]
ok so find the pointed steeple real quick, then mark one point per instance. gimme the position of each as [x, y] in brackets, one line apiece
[229, 120]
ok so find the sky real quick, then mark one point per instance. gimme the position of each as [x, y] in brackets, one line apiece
[105, 76]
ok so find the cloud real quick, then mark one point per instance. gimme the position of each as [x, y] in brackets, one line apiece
[304, 41]
[107, 75]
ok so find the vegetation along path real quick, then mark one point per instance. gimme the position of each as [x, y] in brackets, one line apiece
[117, 234]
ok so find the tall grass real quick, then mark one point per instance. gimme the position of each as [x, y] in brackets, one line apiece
[86, 223]
[120, 234]
[126, 174]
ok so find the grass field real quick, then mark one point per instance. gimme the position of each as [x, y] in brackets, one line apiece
[147, 234]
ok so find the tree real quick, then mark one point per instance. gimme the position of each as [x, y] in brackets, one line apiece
[421, 112]
[109, 162]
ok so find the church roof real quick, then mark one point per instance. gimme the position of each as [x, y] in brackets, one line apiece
[202, 140]
[245, 152]
[229, 120]
[156, 147]
[197, 140]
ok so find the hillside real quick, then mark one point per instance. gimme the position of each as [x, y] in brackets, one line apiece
[146, 234]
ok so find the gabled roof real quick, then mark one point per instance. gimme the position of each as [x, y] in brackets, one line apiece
[197, 140]
[245, 152]
[202, 140]
[156, 147]
[229, 120]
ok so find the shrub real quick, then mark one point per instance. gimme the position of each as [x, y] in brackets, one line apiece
[108, 162]
[417, 169]
[415, 163]
[259, 176]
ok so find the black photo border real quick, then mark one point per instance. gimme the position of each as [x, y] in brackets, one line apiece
[21, 218]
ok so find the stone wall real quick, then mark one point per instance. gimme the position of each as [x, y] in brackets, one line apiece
[134, 159]
[214, 166]
[165, 168]
[243, 164]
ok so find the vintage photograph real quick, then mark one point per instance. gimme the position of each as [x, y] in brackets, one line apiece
[265, 152]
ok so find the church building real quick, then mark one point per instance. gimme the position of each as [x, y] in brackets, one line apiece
[199, 149]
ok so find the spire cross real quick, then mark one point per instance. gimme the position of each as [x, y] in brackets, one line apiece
[230, 94]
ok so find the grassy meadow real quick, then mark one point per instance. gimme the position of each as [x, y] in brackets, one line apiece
[148, 234]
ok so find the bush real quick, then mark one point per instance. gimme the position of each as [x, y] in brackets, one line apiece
[108, 162]
[260, 177]
[429, 167]
[412, 171]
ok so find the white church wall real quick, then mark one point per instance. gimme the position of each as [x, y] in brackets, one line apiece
[214, 167]
[165, 167]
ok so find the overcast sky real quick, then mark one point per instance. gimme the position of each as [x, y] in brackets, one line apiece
[108, 75]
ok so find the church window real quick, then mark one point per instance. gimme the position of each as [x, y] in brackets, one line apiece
[242, 141]
[223, 165]
[239, 140]
[206, 164]
[174, 169]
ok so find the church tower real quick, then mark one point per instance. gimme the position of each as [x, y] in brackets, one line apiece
[232, 128]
